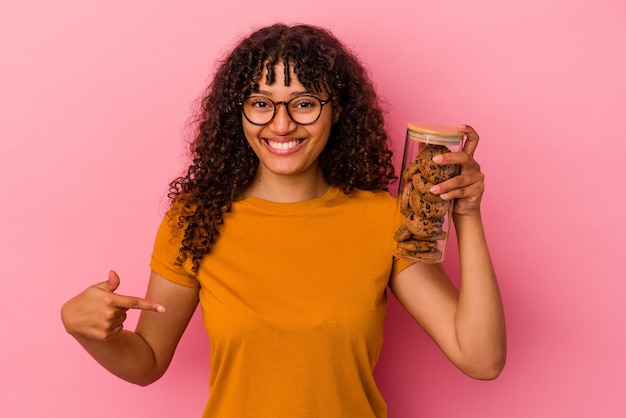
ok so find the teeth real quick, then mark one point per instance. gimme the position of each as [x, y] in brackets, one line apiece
[283, 145]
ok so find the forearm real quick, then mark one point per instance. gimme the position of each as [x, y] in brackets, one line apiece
[480, 324]
[95, 319]
[126, 355]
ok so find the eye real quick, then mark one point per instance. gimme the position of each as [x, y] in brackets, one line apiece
[304, 103]
[260, 103]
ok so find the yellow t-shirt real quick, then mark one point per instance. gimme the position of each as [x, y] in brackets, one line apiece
[293, 298]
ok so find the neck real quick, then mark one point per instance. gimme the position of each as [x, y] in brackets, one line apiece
[291, 188]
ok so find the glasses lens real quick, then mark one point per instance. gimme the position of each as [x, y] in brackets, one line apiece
[303, 110]
[258, 110]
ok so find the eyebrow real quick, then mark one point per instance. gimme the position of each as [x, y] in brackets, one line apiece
[293, 94]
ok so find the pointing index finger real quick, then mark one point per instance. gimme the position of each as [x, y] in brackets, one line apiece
[131, 302]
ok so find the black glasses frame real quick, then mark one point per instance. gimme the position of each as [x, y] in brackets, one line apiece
[286, 104]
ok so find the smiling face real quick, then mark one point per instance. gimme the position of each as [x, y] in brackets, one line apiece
[285, 148]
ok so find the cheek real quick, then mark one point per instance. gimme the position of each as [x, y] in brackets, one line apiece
[323, 133]
[251, 133]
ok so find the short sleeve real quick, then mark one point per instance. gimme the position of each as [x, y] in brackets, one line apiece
[166, 250]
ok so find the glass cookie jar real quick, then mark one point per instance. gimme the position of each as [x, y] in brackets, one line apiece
[423, 217]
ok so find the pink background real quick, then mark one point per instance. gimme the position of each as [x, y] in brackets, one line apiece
[94, 104]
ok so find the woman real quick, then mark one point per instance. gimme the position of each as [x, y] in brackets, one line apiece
[281, 230]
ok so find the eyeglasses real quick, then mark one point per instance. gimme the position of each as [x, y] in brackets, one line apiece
[303, 110]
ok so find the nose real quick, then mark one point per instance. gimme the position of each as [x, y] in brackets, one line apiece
[282, 122]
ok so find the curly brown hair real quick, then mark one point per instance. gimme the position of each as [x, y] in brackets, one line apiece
[224, 165]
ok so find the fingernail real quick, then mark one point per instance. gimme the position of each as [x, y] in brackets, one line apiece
[437, 158]
[434, 189]
[160, 308]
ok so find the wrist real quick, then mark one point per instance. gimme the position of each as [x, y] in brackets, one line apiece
[467, 215]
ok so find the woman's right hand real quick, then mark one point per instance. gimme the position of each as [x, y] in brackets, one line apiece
[99, 313]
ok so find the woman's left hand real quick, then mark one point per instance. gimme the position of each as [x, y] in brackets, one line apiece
[467, 187]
